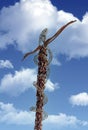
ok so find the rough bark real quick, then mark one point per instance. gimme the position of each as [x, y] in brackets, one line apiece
[41, 80]
[43, 61]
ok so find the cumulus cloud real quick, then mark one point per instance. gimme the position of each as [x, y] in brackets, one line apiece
[6, 64]
[63, 120]
[80, 99]
[23, 21]
[21, 24]
[21, 81]
[56, 62]
[10, 115]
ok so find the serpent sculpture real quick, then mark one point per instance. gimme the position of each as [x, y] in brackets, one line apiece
[42, 59]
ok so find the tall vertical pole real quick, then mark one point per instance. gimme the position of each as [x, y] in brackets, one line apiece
[43, 62]
[40, 84]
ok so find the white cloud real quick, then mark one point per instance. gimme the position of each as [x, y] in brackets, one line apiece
[23, 21]
[21, 81]
[63, 120]
[6, 64]
[80, 99]
[17, 83]
[56, 62]
[50, 86]
[74, 40]
[21, 24]
[10, 115]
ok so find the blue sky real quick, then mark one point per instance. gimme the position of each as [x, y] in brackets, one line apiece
[21, 22]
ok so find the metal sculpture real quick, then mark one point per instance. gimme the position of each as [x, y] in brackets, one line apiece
[42, 59]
